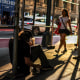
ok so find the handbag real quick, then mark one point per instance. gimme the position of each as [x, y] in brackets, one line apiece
[66, 30]
[57, 30]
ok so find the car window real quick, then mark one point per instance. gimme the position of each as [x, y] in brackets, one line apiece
[28, 19]
[40, 20]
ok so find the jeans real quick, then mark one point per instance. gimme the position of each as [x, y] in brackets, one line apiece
[37, 52]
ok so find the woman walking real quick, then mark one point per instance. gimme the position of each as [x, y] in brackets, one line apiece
[64, 20]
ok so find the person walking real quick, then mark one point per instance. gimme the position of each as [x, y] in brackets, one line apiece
[63, 31]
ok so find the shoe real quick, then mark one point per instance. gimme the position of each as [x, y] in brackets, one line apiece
[75, 49]
[75, 44]
[35, 71]
[64, 51]
[57, 51]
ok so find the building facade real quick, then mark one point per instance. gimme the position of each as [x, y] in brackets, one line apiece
[70, 5]
[7, 7]
[41, 7]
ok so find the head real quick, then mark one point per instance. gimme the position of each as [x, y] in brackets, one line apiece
[65, 13]
[25, 35]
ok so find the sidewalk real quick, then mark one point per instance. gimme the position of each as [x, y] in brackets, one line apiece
[65, 67]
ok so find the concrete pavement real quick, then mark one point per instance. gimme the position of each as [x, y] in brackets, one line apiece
[65, 67]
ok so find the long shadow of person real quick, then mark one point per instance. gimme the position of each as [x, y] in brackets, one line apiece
[44, 74]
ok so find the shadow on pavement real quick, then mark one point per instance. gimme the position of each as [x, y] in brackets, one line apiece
[54, 62]
[75, 52]
[60, 76]
[75, 71]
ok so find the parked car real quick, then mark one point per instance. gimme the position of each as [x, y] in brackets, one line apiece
[74, 27]
[39, 21]
[73, 22]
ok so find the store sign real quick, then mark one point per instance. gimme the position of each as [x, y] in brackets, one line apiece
[8, 2]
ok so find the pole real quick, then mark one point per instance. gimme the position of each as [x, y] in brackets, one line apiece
[16, 30]
[46, 40]
[48, 15]
[1, 11]
[23, 9]
[79, 33]
[34, 12]
[53, 20]
[78, 57]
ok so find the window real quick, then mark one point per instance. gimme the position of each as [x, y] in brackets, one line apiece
[37, 0]
[72, 0]
[57, 3]
[28, 19]
[45, 1]
[64, 4]
[72, 7]
[40, 20]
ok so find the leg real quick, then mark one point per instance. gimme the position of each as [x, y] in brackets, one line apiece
[64, 43]
[61, 43]
[37, 52]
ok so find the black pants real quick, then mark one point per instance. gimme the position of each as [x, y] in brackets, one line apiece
[37, 52]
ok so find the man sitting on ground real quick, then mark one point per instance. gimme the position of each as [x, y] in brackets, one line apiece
[27, 55]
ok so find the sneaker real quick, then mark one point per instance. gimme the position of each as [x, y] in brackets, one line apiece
[57, 51]
[64, 51]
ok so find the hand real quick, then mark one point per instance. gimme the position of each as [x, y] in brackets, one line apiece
[71, 32]
[30, 43]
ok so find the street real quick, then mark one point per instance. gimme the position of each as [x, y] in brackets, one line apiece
[6, 33]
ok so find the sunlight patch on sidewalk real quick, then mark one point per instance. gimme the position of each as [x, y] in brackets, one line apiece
[5, 68]
[71, 39]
